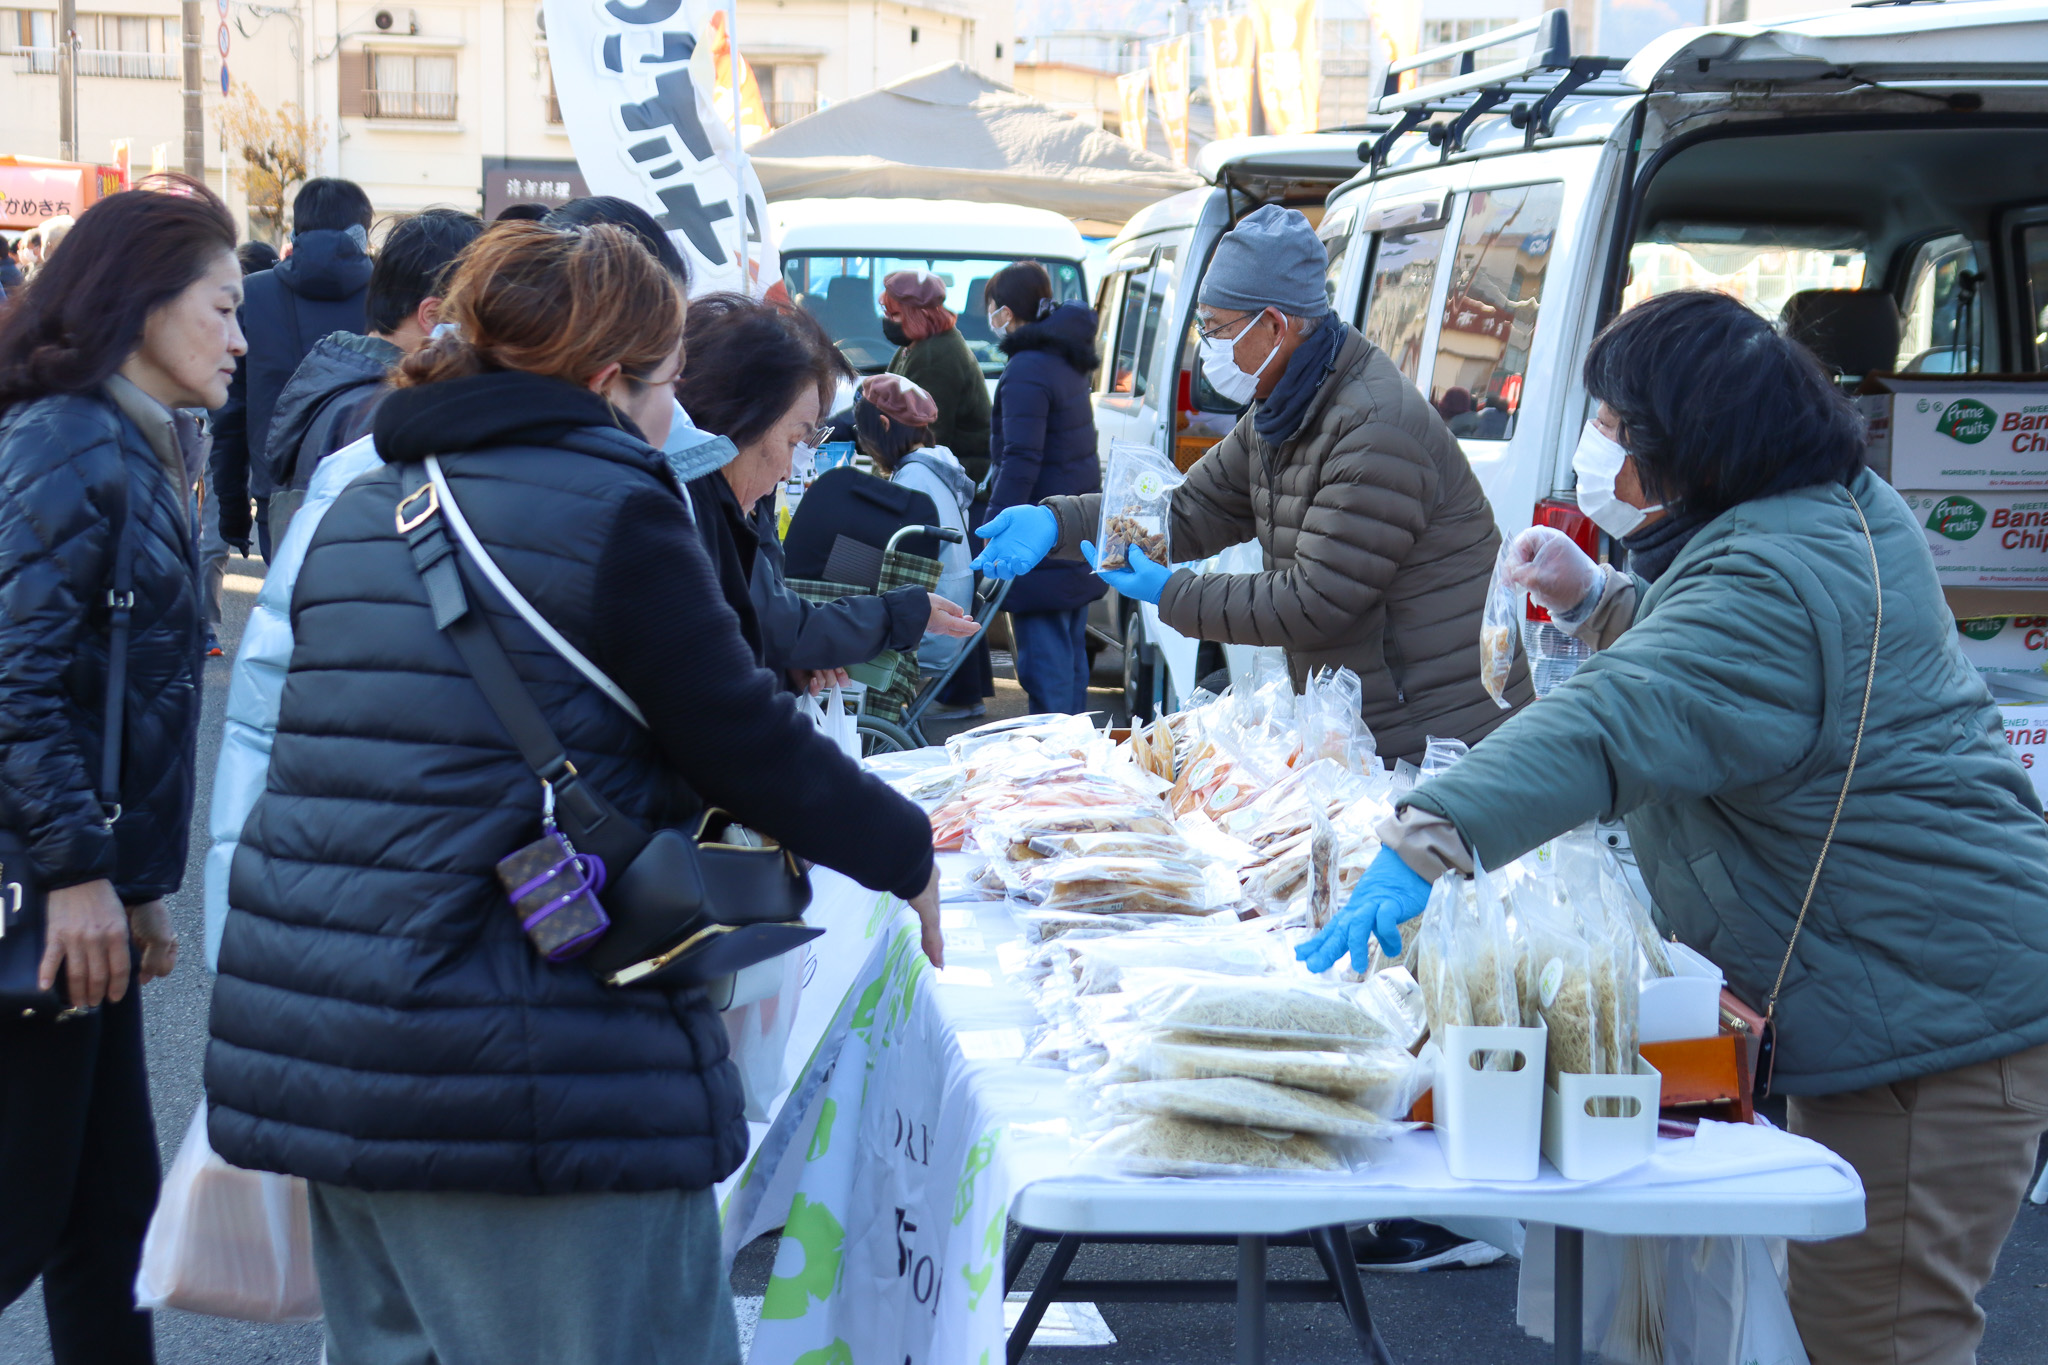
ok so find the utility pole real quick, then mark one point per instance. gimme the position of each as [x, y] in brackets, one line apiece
[67, 79]
[195, 107]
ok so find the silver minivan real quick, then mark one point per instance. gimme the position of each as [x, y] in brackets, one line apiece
[1876, 178]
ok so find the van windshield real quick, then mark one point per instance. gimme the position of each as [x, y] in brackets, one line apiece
[844, 293]
[1762, 272]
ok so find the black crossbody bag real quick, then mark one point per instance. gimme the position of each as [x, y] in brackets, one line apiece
[24, 899]
[677, 909]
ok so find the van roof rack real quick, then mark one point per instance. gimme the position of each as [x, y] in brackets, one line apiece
[1547, 77]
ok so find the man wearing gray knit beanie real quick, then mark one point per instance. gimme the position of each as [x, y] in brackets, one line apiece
[1379, 542]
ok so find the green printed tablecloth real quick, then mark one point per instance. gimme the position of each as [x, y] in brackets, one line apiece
[888, 1167]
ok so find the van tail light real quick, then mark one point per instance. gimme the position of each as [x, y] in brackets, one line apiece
[1184, 392]
[1564, 515]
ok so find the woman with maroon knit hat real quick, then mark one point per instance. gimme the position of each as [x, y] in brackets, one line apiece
[933, 355]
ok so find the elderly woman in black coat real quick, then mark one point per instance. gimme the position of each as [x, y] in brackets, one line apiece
[101, 358]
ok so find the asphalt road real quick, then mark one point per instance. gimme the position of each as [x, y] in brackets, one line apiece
[1461, 1317]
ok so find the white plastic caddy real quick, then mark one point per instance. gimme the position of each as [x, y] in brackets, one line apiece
[1585, 1147]
[1490, 1123]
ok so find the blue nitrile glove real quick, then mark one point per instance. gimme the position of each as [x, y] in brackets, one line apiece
[1143, 581]
[1018, 537]
[1389, 893]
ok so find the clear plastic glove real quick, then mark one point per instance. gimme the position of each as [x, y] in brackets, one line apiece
[1018, 537]
[1388, 894]
[1142, 581]
[1558, 574]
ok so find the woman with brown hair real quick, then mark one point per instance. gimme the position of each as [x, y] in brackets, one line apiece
[509, 1161]
[933, 355]
[101, 358]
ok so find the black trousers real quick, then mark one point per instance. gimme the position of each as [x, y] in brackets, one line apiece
[78, 1178]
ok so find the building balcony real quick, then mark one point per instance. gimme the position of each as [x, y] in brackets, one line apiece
[149, 66]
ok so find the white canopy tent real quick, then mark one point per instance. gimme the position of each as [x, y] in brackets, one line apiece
[949, 133]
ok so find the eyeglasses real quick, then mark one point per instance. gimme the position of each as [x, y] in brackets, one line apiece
[817, 435]
[1216, 333]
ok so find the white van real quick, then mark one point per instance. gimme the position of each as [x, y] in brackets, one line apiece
[1877, 176]
[836, 252]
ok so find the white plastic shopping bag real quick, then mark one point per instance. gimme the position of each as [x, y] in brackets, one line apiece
[759, 1030]
[1724, 1304]
[1670, 1300]
[828, 712]
[227, 1242]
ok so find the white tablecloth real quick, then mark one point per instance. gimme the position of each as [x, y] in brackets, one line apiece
[917, 1133]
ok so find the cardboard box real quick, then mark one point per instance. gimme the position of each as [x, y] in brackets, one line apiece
[2005, 644]
[2026, 729]
[1985, 540]
[1966, 433]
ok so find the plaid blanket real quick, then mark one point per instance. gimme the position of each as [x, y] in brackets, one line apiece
[899, 570]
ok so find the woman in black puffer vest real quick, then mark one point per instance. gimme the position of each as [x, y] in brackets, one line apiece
[381, 1025]
[127, 327]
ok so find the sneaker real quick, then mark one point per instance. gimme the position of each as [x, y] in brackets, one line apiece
[1403, 1245]
[973, 712]
[213, 649]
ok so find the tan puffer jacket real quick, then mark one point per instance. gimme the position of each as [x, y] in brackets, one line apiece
[1379, 544]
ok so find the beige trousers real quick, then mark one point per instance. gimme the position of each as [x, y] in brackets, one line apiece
[1945, 1161]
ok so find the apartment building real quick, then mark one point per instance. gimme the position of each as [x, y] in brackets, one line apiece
[435, 103]
[130, 64]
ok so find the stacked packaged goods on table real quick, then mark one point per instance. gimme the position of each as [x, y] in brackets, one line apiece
[1163, 882]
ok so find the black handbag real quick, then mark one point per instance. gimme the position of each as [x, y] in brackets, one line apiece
[24, 900]
[684, 909]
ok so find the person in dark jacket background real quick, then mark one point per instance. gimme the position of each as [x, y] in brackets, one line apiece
[321, 287]
[761, 375]
[504, 1153]
[333, 395]
[1042, 444]
[132, 323]
[933, 355]
[255, 256]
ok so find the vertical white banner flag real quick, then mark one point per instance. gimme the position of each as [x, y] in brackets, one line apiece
[636, 92]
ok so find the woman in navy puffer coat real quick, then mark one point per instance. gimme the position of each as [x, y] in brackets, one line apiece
[126, 328]
[510, 1162]
[1042, 443]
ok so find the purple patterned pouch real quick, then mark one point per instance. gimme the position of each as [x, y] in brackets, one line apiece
[553, 890]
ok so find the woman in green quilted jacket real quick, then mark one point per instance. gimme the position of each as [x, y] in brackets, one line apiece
[1723, 718]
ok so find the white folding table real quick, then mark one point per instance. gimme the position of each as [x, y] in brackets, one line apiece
[1810, 1202]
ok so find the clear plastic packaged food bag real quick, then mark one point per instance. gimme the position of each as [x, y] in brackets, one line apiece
[1137, 495]
[1119, 886]
[1500, 632]
[1326, 714]
[1301, 1013]
[1226, 951]
[1239, 1100]
[1381, 1079]
[1159, 1145]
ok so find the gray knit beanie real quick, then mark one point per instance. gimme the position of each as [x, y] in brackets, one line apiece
[1271, 259]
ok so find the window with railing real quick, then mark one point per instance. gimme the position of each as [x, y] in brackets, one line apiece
[547, 71]
[1443, 32]
[138, 47]
[789, 90]
[409, 85]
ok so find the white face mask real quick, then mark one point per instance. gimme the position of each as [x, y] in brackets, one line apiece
[1220, 368]
[803, 462]
[996, 327]
[1597, 461]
